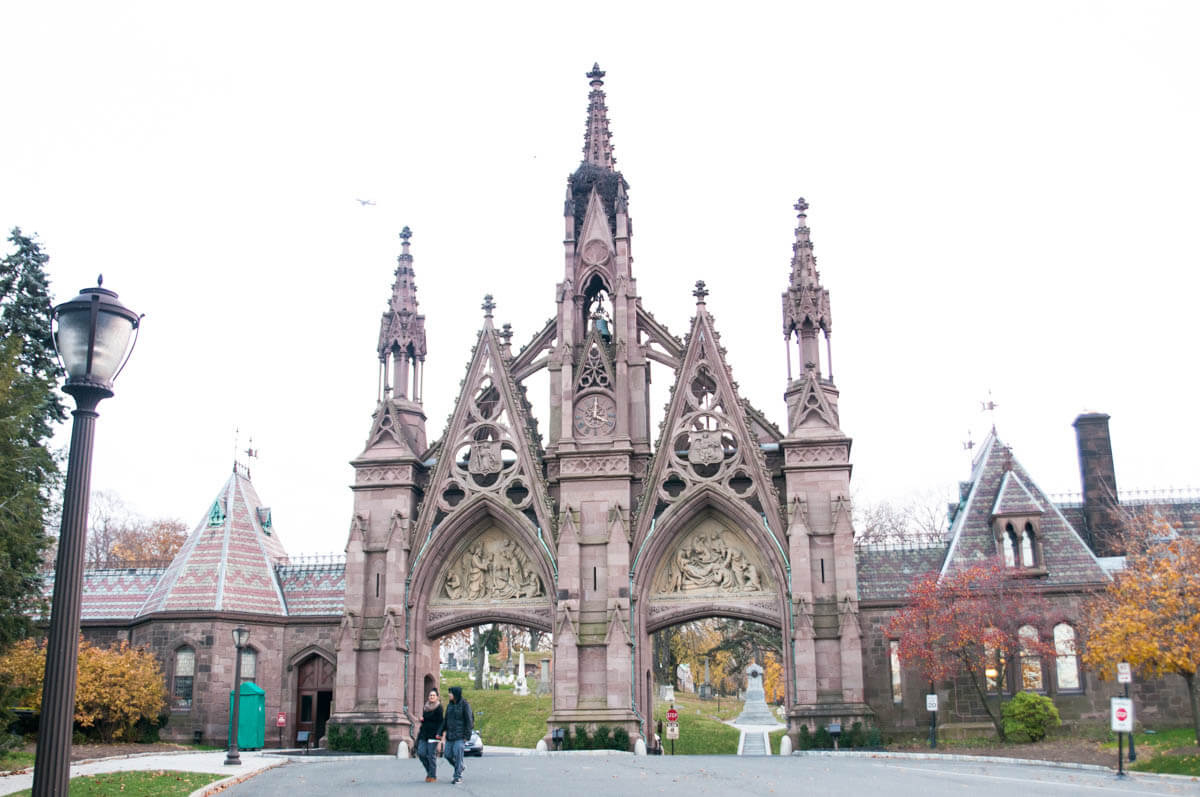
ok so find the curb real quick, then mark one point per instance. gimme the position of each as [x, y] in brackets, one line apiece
[954, 757]
[232, 780]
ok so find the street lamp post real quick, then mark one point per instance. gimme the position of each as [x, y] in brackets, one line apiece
[241, 636]
[93, 341]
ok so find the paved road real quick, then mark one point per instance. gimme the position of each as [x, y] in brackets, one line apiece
[572, 776]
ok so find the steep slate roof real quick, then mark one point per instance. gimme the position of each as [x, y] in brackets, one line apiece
[313, 591]
[229, 566]
[1014, 498]
[886, 572]
[1067, 558]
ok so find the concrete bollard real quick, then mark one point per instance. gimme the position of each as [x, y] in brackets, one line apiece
[785, 745]
[401, 749]
[639, 747]
[541, 745]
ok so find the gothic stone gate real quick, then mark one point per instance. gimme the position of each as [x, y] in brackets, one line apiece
[708, 558]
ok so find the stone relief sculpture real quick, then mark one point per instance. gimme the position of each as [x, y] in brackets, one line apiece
[706, 562]
[492, 568]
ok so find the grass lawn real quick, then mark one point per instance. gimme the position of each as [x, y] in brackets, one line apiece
[160, 783]
[14, 760]
[701, 731]
[502, 718]
[1154, 751]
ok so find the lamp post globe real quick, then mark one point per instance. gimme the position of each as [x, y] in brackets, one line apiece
[241, 637]
[94, 336]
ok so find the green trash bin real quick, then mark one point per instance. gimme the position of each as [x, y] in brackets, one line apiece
[252, 717]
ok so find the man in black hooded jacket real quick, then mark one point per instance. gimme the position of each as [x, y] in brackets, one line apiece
[456, 730]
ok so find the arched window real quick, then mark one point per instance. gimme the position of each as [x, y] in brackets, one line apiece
[1031, 663]
[249, 664]
[185, 671]
[1010, 546]
[994, 664]
[1027, 557]
[1066, 662]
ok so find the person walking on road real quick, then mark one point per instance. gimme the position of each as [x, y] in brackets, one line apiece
[427, 738]
[456, 730]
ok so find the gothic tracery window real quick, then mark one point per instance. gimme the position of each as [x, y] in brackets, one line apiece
[1031, 663]
[1066, 661]
[185, 671]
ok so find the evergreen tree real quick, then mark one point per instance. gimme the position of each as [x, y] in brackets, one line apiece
[25, 315]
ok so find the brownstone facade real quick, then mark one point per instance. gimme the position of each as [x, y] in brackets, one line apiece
[597, 529]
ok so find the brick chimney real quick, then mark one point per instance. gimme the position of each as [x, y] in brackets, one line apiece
[1099, 479]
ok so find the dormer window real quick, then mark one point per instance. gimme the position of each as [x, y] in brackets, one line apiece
[1018, 541]
[1016, 523]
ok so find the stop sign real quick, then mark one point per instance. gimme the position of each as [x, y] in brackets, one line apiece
[672, 715]
[1122, 714]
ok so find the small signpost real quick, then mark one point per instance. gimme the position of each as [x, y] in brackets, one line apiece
[672, 726]
[931, 705]
[281, 723]
[1125, 677]
[1122, 722]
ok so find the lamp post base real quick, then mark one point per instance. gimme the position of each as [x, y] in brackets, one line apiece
[232, 759]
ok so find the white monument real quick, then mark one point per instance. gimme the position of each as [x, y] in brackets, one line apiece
[521, 688]
[684, 673]
[755, 712]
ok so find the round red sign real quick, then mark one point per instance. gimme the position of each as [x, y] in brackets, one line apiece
[1122, 714]
[672, 715]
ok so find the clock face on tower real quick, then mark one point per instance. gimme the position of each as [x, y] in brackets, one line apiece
[595, 416]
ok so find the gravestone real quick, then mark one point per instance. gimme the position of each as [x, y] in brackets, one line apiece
[666, 693]
[521, 688]
[755, 712]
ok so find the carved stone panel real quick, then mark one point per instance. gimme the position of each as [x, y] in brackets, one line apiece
[712, 559]
[491, 567]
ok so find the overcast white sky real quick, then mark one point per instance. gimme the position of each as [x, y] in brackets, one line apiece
[1003, 196]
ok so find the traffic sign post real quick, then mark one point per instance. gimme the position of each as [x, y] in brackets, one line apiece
[281, 723]
[672, 726]
[1122, 722]
[1125, 677]
[931, 705]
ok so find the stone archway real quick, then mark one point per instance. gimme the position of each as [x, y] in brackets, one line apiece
[487, 567]
[710, 561]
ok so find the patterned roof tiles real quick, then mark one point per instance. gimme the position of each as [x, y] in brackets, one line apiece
[1067, 559]
[886, 572]
[228, 562]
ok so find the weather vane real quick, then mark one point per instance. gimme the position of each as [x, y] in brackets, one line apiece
[989, 407]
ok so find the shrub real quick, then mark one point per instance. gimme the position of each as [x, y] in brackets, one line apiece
[117, 688]
[379, 743]
[603, 738]
[804, 740]
[620, 739]
[1027, 717]
[855, 737]
[580, 740]
[822, 740]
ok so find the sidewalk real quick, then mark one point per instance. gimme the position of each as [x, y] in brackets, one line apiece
[214, 762]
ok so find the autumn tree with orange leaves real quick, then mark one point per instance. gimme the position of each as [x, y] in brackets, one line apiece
[950, 622]
[1149, 615]
[118, 685]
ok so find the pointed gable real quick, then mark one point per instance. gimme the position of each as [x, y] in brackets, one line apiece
[490, 447]
[1014, 498]
[707, 439]
[999, 481]
[228, 562]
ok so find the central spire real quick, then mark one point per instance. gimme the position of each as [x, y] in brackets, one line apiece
[597, 140]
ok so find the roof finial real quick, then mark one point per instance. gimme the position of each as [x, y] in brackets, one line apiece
[405, 234]
[700, 292]
[488, 306]
[989, 407]
[597, 140]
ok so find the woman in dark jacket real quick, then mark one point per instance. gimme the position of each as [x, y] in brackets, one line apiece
[427, 738]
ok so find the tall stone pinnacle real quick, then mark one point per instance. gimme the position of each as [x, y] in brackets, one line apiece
[597, 140]
[402, 325]
[805, 300]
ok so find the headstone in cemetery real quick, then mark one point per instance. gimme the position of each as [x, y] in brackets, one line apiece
[520, 687]
[755, 712]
